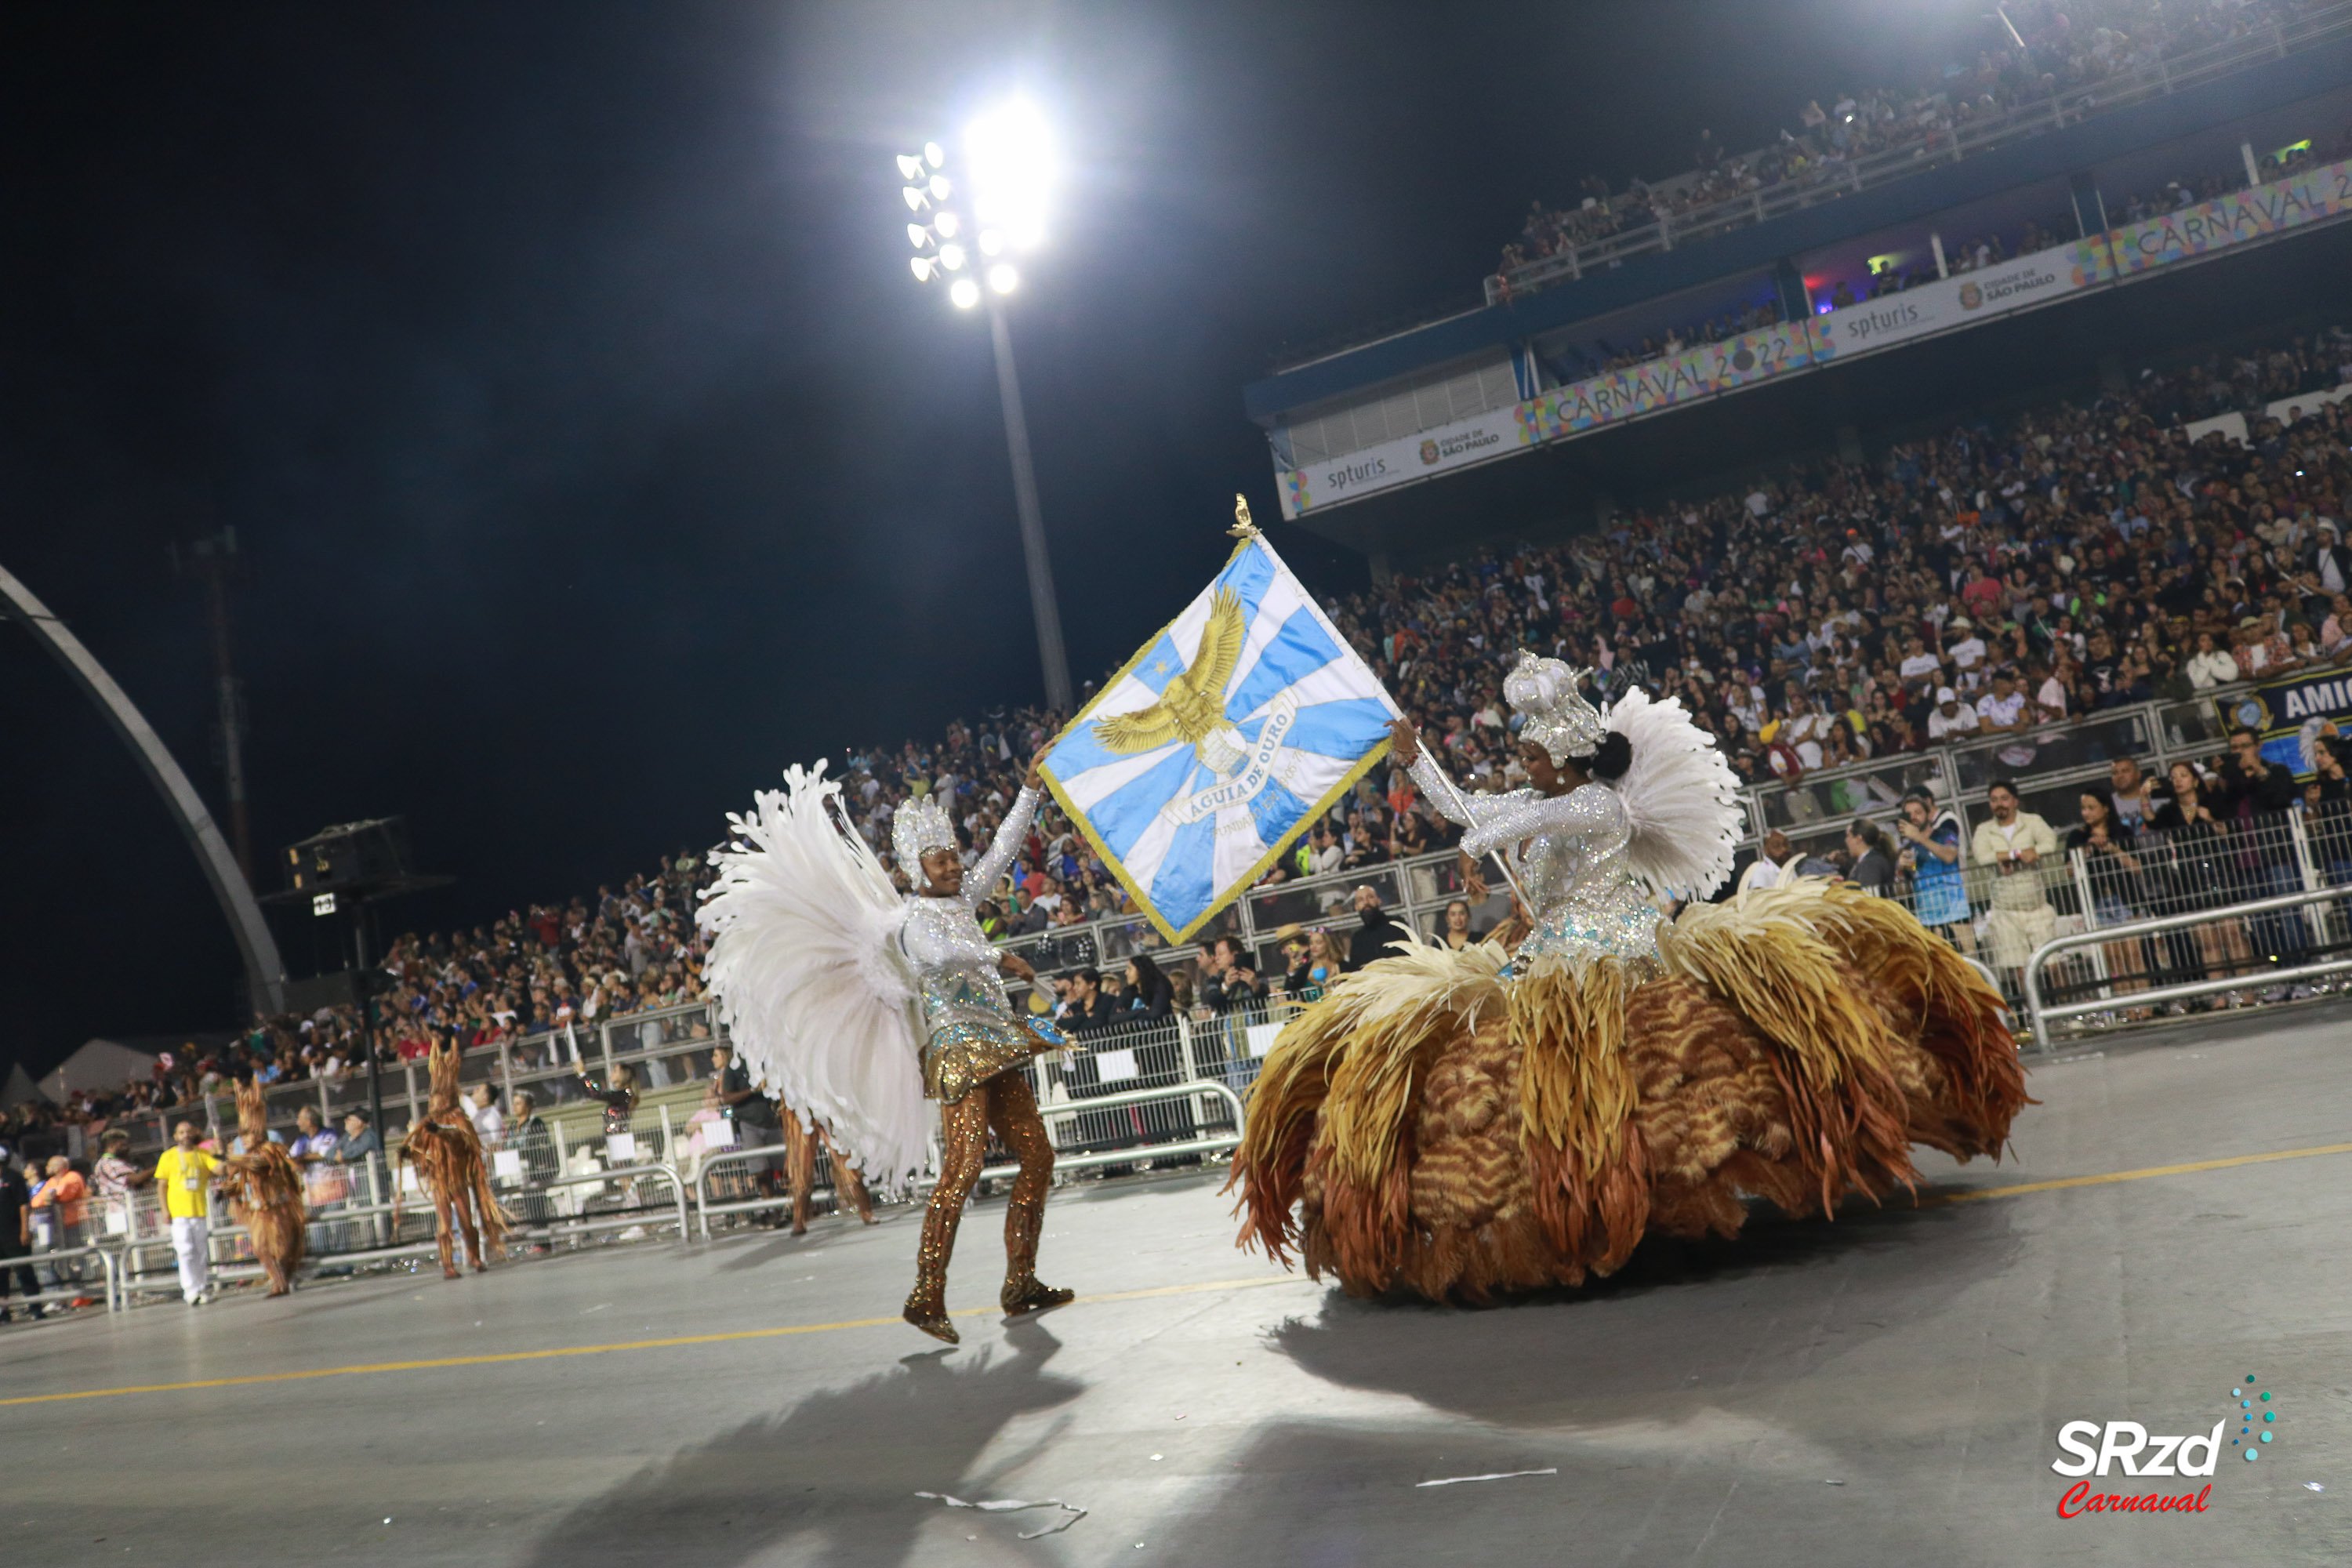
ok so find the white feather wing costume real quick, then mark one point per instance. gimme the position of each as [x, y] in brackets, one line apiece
[804, 965]
[1680, 798]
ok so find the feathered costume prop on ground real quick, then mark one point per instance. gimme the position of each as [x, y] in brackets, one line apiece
[447, 1153]
[264, 1188]
[1460, 1122]
[852, 1005]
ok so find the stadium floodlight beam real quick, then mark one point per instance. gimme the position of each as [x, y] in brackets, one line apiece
[1004, 188]
[1013, 171]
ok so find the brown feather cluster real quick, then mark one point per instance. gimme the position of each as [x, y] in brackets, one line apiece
[264, 1188]
[1426, 1128]
[447, 1153]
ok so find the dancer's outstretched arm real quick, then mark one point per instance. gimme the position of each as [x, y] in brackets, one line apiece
[981, 883]
[1593, 811]
[1457, 806]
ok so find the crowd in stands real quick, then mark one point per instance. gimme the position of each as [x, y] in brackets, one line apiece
[1990, 578]
[2066, 51]
[2083, 556]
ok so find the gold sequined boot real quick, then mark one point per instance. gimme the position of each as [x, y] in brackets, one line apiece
[1024, 1219]
[927, 1307]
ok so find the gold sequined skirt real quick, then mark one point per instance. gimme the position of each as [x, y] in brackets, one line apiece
[963, 1054]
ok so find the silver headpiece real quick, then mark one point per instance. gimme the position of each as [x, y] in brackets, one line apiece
[1557, 717]
[919, 824]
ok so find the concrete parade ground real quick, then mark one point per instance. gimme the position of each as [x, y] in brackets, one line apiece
[1885, 1389]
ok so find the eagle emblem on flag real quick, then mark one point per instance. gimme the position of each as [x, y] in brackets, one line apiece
[1192, 707]
[1205, 757]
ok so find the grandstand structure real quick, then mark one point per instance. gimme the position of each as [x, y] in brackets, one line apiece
[2164, 208]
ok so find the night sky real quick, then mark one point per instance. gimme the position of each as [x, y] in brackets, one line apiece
[594, 453]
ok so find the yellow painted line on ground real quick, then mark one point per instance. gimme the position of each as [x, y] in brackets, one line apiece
[1977, 1194]
[1980, 1194]
[623, 1344]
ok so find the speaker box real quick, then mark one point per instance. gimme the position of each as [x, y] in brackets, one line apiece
[354, 854]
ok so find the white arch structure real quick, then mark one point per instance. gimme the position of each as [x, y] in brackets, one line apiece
[264, 970]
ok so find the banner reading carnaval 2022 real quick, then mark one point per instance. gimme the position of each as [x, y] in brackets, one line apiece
[2308, 197]
[1714, 369]
[1569, 410]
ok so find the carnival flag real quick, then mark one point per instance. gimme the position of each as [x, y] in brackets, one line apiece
[1236, 727]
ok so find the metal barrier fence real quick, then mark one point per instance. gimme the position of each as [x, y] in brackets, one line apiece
[2090, 895]
[68, 1268]
[369, 1225]
[2227, 917]
[1177, 1104]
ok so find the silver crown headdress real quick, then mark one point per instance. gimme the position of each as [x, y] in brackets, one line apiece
[919, 824]
[1558, 718]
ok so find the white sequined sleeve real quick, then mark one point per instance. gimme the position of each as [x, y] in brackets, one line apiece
[981, 883]
[919, 938]
[1433, 783]
[1589, 813]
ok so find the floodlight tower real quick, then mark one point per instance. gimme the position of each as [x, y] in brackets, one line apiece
[1009, 167]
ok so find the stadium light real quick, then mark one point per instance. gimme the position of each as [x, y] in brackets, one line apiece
[1014, 169]
[1008, 176]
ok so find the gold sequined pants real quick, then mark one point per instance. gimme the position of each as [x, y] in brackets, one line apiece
[1007, 1104]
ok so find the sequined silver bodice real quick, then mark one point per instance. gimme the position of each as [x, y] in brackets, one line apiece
[954, 964]
[1569, 853]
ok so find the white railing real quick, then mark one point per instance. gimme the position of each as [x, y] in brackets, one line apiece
[2039, 1013]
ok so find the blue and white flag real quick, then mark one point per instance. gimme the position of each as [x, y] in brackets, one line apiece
[1233, 730]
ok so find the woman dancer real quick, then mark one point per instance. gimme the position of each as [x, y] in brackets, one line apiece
[855, 1005]
[1520, 1112]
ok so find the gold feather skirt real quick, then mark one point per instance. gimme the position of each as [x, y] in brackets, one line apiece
[1431, 1127]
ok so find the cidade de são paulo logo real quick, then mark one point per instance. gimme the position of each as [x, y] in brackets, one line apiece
[2093, 1449]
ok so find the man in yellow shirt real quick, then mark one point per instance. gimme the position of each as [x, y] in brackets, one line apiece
[184, 1176]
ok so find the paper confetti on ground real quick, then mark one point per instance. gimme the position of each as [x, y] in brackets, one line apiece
[1014, 1505]
[1497, 1476]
